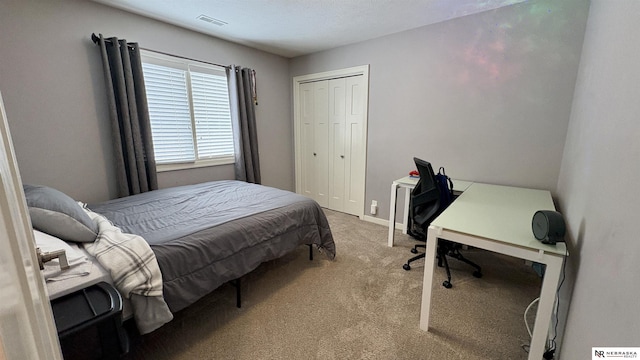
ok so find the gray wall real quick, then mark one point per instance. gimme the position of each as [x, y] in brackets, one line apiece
[488, 95]
[52, 83]
[433, 93]
[598, 184]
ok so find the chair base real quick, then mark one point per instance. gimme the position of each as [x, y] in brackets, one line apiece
[451, 250]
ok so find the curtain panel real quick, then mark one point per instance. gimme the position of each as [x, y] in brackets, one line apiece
[243, 98]
[129, 115]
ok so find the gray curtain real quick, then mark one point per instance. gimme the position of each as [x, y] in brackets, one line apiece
[130, 125]
[243, 99]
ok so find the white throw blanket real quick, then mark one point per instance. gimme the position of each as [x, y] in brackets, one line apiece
[134, 270]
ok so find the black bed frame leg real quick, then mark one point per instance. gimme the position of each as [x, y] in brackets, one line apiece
[236, 283]
[310, 251]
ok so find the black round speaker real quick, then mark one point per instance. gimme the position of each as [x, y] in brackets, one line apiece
[548, 226]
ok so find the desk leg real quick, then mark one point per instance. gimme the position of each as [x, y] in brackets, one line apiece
[405, 214]
[427, 281]
[392, 212]
[545, 308]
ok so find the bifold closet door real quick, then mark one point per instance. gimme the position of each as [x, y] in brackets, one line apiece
[346, 144]
[331, 142]
[337, 150]
[314, 109]
[355, 144]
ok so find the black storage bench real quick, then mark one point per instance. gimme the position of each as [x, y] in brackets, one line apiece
[89, 317]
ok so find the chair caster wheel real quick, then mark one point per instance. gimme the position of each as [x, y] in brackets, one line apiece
[447, 284]
[406, 267]
[477, 274]
[414, 251]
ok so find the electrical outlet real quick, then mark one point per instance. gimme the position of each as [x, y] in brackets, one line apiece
[374, 207]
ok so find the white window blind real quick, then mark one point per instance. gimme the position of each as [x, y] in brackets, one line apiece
[189, 111]
[212, 115]
[169, 113]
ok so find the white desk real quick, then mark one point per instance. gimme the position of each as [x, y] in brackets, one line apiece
[408, 183]
[498, 218]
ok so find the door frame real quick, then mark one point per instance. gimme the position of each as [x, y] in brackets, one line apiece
[327, 75]
[28, 330]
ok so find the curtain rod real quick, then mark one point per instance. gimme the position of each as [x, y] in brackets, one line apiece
[96, 39]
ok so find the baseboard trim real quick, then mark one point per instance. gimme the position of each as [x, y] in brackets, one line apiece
[380, 221]
[376, 220]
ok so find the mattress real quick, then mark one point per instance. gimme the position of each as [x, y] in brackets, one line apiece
[207, 234]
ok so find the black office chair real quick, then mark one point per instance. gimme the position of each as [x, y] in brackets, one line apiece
[426, 203]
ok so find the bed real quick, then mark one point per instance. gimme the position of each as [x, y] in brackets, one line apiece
[201, 236]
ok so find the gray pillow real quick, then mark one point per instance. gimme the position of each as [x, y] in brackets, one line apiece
[55, 213]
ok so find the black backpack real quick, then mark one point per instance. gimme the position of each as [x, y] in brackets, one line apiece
[445, 185]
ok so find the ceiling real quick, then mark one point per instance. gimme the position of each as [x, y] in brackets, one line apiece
[297, 27]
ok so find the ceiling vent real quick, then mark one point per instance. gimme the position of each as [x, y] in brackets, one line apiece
[211, 20]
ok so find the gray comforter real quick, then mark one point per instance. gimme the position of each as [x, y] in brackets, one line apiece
[207, 234]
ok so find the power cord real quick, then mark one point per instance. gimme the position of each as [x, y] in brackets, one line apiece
[526, 323]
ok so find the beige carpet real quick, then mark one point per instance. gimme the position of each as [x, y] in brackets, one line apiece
[363, 305]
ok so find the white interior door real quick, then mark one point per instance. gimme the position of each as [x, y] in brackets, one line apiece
[321, 145]
[355, 144]
[306, 140]
[27, 329]
[337, 149]
[313, 144]
[330, 145]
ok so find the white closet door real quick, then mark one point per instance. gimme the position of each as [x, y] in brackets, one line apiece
[307, 139]
[321, 143]
[355, 144]
[330, 122]
[337, 149]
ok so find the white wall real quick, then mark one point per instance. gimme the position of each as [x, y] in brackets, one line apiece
[488, 95]
[598, 185]
[52, 82]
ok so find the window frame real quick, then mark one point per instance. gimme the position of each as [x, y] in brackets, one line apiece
[187, 65]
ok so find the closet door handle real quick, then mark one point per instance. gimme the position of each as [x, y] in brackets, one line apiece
[314, 154]
[342, 156]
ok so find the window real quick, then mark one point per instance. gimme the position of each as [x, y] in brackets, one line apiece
[189, 112]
